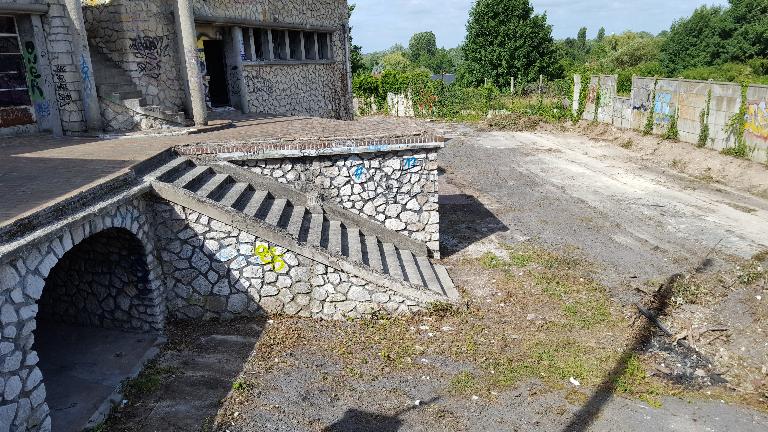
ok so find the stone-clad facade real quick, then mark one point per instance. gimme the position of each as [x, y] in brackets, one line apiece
[29, 281]
[396, 189]
[169, 59]
[212, 271]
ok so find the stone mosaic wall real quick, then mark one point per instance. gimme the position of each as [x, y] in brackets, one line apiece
[140, 37]
[118, 118]
[22, 280]
[211, 271]
[314, 89]
[397, 189]
[318, 90]
[102, 282]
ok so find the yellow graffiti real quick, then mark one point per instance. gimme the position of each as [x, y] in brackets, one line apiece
[96, 2]
[269, 255]
[756, 120]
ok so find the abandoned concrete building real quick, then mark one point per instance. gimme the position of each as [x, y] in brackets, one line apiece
[333, 224]
[72, 66]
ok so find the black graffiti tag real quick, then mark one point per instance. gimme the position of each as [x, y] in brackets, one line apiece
[150, 50]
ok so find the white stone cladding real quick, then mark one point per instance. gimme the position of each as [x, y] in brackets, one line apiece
[396, 189]
[22, 279]
[140, 37]
[303, 89]
[211, 271]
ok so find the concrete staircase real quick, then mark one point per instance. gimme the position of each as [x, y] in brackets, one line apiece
[114, 84]
[291, 219]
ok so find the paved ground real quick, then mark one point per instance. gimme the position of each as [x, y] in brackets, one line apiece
[527, 220]
[83, 367]
[36, 171]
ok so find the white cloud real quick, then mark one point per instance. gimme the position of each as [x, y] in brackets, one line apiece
[378, 24]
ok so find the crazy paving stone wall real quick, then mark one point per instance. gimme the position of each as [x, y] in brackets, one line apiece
[140, 37]
[211, 271]
[307, 88]
[22, 283]
[102, 282]
[396, 189]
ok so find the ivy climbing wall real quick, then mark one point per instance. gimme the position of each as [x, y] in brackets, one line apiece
[692, 104]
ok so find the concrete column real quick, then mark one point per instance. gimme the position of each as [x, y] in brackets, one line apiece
[287, 45]
[349, 112]
[317, 52]
[82, 57]
[302, 48]
[185, 23]
[237, 61]
[576, 93]
[53, 120]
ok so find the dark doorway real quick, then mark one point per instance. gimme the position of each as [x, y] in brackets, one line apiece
[217, 71]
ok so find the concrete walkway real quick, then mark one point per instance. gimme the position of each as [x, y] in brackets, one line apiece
[37, 171]
[83, 367]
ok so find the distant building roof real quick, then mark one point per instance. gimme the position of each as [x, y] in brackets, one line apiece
[445, 78]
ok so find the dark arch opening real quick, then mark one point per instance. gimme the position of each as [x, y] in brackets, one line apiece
[95, 325]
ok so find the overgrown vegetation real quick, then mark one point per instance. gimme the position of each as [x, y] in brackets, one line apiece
[651, 119]
[704, 122]
[672, 133]
[736, 126]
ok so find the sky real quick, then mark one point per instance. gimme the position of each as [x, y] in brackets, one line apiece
[379, 24]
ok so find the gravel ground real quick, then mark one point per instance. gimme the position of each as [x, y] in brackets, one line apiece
[552, 238]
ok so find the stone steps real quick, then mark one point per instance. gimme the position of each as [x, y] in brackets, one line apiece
[114, 84]
[338, 238]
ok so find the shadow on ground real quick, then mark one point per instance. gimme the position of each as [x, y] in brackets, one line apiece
[652, 328]
[464, 220]
[364, 421]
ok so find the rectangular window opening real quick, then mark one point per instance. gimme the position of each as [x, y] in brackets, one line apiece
[279, 47]
[323, 47]
[310, 46]
[295, 42]
[13, 77]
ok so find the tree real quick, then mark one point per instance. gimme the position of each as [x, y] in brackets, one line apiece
[694, 41]
[355, 51]
[582, 38]
[505, 39]
[601, 34]
[422, 48]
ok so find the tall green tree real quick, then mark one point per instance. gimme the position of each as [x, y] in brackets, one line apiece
[601, 34]
[422, 48]
[355, 51]
[506, 39]
[582, 38]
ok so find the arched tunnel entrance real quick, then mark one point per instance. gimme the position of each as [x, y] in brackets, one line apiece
[94, 325]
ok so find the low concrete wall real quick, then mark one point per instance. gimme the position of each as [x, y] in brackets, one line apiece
[686, 99]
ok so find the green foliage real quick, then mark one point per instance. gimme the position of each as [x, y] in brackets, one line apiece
[704, 122]
[505, 39]
[736, 126]
[672, 132]
[717, 35]
[583, 92]
[600, 34]
[355, 51]
[650, 120]
[422, 48]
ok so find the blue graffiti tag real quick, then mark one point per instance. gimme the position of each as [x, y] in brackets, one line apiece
[410, 162]
[42, 109]
[662, 109]
[359, 171]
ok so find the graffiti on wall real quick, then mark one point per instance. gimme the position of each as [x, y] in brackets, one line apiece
[641, 99]
[85, 73]
[29, 55]
[756, 120]
[662, 111]
[15, 116]
[201, 38]
[63, 94]
[150, 50]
